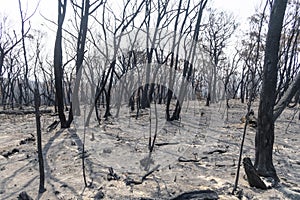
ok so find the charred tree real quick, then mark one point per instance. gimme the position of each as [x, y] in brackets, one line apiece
[174, 59]
[58, 66]
[27, 87]
[264, 138]
[37, 102]
[86, 9]
[188, 67]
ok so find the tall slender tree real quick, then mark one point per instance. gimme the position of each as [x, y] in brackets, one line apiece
[188, 67]
[264, 138]
[219, 29]
[58, 66]
[86, 9]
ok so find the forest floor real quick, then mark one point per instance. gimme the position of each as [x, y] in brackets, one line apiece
[200, 152]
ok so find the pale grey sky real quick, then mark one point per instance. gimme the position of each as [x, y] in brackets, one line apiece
[241, 8]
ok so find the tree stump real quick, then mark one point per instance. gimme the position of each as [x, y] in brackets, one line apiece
[253, 178]
[24, 196]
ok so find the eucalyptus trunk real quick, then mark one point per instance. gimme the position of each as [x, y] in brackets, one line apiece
[264, 138]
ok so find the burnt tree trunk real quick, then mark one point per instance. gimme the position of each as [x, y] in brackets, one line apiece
[58, 71]
[81, 40]
[37, 102]
[264, 138]
[252, 176]
[20, 94]
[169, 97]
[108, 96]
[208, 99]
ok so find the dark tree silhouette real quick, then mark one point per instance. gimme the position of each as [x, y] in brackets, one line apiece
[86, 9]
[7, 44]
[264, 138]
[37, 102]
[188, 67]
[58, 67]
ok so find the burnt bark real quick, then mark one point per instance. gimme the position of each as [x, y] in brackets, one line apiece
[39, 139]
[169, 97]
[81, 40]
[264, 138]
[253, 178]
[58, 66]
[207, 99]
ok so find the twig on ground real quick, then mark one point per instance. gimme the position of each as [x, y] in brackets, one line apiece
[52, 126]
[112, 175]
[182, 159]
[130, 181]
[166, 143]
[220, 151]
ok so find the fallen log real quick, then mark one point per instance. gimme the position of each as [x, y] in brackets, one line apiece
[23, 112]
[183, 159]
[219, 151]
[198, 194]
[9, 153]
[166, 143]
[28, 140]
